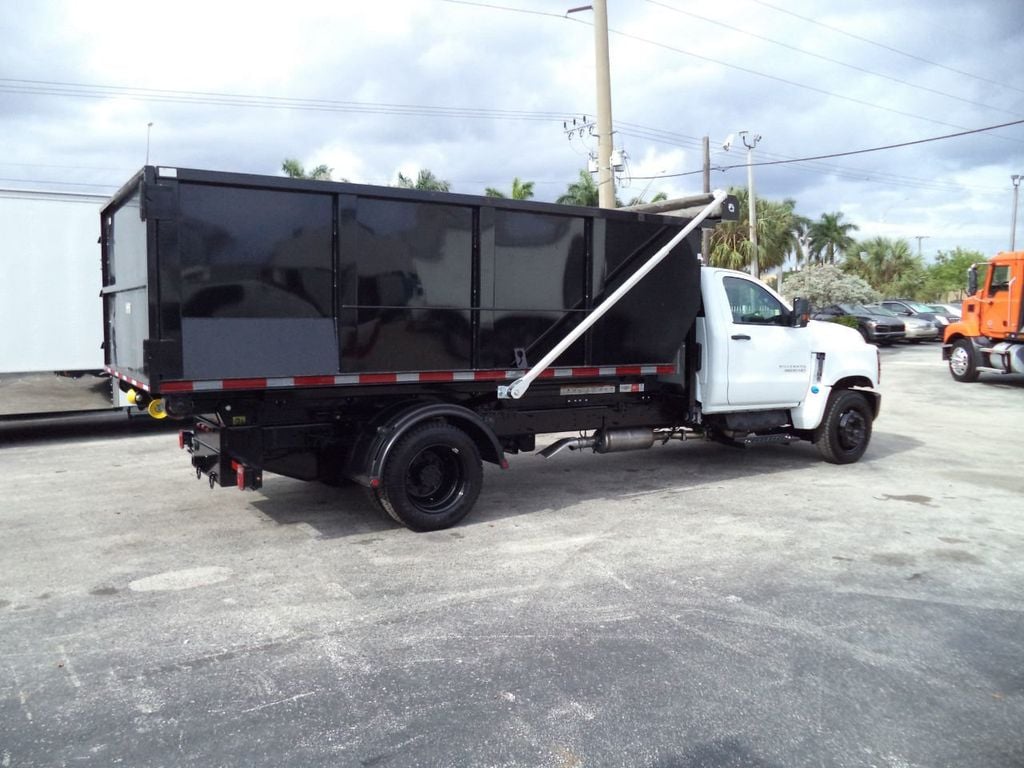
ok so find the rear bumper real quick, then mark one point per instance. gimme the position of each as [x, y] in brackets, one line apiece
[209, 447]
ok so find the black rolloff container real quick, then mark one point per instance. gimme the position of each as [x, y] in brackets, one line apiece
[217, 280]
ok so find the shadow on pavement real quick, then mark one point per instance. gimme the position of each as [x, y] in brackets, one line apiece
[80, 426]
[534, 484]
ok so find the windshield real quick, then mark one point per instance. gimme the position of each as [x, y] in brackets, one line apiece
[878, 309]
[919, 307]
[855, 309]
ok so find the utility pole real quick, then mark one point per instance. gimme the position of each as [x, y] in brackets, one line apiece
[149, 128]
[1013, 226]
[750, 140]
[705, 233]
[605, 178]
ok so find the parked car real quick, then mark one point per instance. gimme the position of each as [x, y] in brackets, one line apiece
[907, 308]
[949, 310]
[916, 329]
[875, 328]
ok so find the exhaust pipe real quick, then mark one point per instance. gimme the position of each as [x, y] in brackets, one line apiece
[605, 441]
[572, 443]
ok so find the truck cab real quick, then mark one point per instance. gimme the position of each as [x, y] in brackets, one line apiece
[990, 333]
[758, 354]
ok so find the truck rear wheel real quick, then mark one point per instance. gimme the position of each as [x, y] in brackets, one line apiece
[432, 477]
[961, 362]
[846, 429]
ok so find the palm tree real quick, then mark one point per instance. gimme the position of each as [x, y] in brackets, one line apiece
[730, 245]
[777, 228]
[425, 180]
[802, 231]
[639, 199]
[583, 191]
[830, 237]
[730, 240]
[890, 266]
[521, 190]
[294, 169]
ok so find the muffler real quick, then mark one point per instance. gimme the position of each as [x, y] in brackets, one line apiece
[605, 441]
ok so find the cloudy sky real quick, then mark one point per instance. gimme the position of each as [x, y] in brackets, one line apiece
[478, 92]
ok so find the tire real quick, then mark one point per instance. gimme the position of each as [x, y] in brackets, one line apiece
[846, 429]
[373, 497]
[962, 365]
[431, 478]
[864, 334]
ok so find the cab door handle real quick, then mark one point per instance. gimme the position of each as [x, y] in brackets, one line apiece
[741, 337]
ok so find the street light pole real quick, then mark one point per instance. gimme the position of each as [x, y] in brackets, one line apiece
[919, 238]
[750, 140]
[149, 128]
[1013, 226]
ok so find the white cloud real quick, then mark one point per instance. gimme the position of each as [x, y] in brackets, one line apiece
[429, 53]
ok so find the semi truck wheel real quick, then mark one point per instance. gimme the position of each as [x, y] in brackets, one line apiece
[846, 429]
[961, 362]
[432, 477]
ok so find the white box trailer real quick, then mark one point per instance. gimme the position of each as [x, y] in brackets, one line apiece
[51, 314]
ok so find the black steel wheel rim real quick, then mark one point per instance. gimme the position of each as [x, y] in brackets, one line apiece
[852, 429]
[435, 479]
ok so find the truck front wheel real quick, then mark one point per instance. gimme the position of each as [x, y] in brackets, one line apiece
[432, 477]
[846, 430]
[961, 362]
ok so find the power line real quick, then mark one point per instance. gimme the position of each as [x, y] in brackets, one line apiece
[92, 90]
[830, 60]
[496, 7]
[848, 153]
[747, 70]
[60, 183]
[887, 47]
[794, 83]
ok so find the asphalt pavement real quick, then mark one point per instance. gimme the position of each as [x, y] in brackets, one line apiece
[688, 606]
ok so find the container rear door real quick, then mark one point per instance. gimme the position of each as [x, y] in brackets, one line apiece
[125, 278]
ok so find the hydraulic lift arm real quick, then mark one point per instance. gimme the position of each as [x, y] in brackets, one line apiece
[518, 388]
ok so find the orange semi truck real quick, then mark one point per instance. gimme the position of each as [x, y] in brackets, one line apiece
[990, 333]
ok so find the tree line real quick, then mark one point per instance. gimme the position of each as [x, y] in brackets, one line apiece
[877, 267]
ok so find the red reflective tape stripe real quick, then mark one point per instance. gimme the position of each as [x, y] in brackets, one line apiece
[314, 381]
[245, 383]
[438, 376]
[404, 377]
[378, 378]
[128, 379]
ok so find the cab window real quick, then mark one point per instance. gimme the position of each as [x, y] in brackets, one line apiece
[1000, 278]
[752, 304]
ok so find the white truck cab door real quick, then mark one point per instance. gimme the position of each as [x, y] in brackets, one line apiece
[769, 362]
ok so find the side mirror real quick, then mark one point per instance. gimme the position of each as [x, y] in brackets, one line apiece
[801, 313]
[972, 280]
